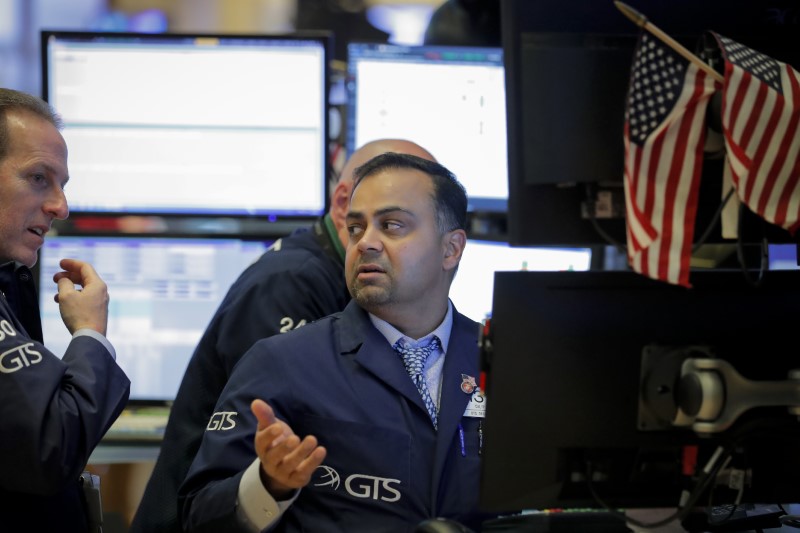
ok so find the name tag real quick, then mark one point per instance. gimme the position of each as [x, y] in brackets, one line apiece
[477, 405]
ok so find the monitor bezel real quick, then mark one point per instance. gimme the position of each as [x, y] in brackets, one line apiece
[566, 381]
[478, 206]
[322, 37]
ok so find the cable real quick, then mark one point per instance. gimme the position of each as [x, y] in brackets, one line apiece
[710, 471]
[713, 223]
[764, 256]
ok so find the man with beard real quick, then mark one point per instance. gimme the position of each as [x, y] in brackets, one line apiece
[346, 433]
[298, 280]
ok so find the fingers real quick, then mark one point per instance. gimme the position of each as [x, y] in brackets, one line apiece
[287, 461]
[77, 271]
[85, 307]
[270, 431]
[263, 412]
[299, 460]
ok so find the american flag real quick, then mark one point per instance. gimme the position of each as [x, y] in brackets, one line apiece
[760, 115]
[664, 136]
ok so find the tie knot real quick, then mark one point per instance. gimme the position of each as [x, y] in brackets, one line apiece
[414, 358]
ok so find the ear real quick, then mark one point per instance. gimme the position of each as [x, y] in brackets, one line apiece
[340, 202]
[454, 243]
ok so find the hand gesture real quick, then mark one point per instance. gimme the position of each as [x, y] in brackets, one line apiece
[286, 462]
[85, 307]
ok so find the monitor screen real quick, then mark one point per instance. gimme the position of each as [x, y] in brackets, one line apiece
[568, 69]
[450, 100]
[473, 286]
[783, 257]
[163, 292]
[191, 124]
[606, 389]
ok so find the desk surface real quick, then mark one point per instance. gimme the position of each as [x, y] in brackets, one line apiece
[118, 452]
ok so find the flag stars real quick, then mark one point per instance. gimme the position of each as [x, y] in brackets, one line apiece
[763, 67]
[656, 74]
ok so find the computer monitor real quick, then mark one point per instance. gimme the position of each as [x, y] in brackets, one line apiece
[473, 286]
[199, 124]
[163, 293]
[589, 373]
[783, 257]
[568, 67]
[449, 99]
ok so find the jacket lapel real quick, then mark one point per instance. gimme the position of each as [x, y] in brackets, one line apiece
[461, 359]
[373, 352]
[356, 335]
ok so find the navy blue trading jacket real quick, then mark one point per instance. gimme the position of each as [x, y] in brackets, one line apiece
[54, 411]
[340, 380]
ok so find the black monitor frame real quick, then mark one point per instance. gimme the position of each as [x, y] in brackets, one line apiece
[582, 378]
[264, 214]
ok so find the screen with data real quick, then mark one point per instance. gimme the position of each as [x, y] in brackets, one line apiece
[191, 124]
[163, 293]
[473, 287]
[451, 100]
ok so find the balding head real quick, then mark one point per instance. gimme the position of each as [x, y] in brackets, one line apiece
[340, 197]
[378, 147]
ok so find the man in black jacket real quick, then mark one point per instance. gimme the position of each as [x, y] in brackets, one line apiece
[54, 409]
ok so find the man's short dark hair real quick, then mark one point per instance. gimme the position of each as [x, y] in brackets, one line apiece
[16, 100]
[449, 195]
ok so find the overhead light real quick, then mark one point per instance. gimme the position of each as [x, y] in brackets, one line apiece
[404, 22]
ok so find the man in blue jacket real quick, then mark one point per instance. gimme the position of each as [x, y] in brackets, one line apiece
[341, 437]
[298, 280]
[53, 409]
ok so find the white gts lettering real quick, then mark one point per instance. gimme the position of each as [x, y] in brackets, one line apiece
[18, 358]
[222, 421]
[372, 487]
[360, 485]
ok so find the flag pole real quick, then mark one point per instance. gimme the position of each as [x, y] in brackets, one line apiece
[641, 21]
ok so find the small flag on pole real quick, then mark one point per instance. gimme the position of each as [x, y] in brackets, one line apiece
[664, 137]
[760, 115]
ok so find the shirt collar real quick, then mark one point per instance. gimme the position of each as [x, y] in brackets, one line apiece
[393, 335]
[7, 275]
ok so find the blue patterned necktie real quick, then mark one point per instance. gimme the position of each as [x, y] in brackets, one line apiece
[414, 360]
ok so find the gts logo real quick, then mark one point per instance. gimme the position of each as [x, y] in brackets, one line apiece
[287, 324]
[18, 357]
[222, 421]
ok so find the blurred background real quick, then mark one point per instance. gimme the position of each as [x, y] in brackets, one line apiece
[395, 21]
